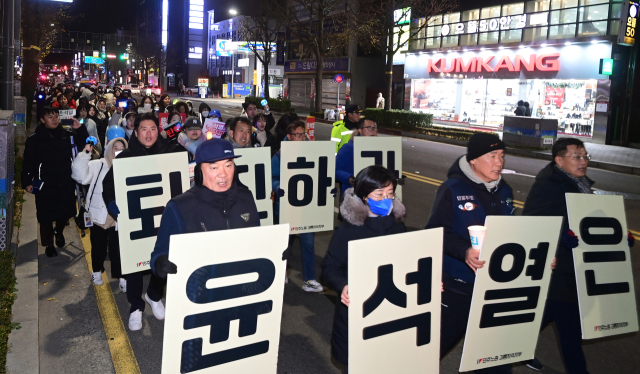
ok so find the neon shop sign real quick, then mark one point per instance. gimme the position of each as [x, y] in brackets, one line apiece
[533, 62]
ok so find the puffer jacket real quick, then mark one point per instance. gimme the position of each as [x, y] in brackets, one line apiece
[92, 172]
[356, 225]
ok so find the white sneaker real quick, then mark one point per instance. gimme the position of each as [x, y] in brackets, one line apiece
[97, 278]
[312, 286]
[156, 306]
[135, 320]
[123, 285]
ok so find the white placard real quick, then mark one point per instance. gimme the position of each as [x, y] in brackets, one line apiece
[602, 263]
[254, 171]
[307, 176]
[144, 186]
[602, 106]
[228, 325]
[66, 113]
[510, 291]
[394, 303]
[385, 151]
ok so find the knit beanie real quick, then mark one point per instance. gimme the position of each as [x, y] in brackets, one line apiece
[482, 143]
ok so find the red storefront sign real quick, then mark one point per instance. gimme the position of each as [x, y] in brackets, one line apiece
[533, 62]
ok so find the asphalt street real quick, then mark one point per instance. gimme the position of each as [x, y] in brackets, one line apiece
[307, 318]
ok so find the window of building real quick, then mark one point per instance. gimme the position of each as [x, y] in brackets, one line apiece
[562, 32]
[491, 12]
[537, 6]
[593, 13]
[593, 2]
[449, 41]
[488, 38]
[471, 15]
[592, 28]
[535, 33]
[432, 43]
[614, 26]
[469, 39]
[563, 4]
[563, 16]
[511, 36]
[512, 9]
[451, 18]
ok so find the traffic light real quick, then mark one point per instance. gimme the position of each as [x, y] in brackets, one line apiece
[104, 55]
[122, 57]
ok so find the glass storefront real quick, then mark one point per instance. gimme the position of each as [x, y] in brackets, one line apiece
[485, 102]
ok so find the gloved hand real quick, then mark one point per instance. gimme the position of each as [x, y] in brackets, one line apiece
[569, 240]
[280, 192]
[630, 239]
[112, 207]
[333, 192]
[402, 180]
[164, 266]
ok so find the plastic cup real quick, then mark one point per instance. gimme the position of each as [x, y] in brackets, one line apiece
[476, 233]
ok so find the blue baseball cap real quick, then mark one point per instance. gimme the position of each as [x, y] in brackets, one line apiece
[214, 150]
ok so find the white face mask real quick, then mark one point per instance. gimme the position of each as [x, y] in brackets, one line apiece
[116, 153]
[205, 113]
[147, 106]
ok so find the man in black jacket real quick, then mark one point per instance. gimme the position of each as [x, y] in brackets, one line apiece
[46, 172]
[566, 173]
[520, 110]
[144, 142]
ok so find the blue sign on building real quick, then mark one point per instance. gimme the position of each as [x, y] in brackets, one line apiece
[93, 60]
[242, 89]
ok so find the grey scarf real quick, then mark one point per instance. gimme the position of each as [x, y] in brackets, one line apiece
[466, 169]
[584, 184]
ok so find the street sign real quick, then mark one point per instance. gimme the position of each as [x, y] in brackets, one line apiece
[628, 18]
[203, 82]
[93, 60]
[339, 78]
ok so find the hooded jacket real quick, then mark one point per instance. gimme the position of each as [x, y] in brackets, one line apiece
[134, 149]
[547, 198]
[92, 173]
[357, 225]
[48, 155]
[460, 203]
[201, 209]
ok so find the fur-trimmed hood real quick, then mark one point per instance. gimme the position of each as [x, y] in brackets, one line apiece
[355, 211]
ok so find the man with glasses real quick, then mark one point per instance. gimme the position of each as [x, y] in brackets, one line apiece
[296, 132]
[344, 159]
[566, 173]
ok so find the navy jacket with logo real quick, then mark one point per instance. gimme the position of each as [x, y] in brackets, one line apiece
[461, 203]
[201, 209]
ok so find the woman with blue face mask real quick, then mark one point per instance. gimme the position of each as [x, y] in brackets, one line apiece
[369, 209]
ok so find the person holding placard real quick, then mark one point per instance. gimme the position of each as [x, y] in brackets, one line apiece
[143, 143]
[344, 159]
[474, 190]
[567, 173]
[370, 209]
[296, 132]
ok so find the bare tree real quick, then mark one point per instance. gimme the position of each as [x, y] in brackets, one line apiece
[389, 25]
[42, 25]
[323, 26]
[261, 33]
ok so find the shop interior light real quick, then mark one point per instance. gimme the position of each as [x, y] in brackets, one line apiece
[501, 47]
[567, 43]
[465, 50]
[482, 49]
[543, 45]
[522, 46]
[594, 41]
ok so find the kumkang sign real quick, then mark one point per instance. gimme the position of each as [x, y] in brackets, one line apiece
[532, 62]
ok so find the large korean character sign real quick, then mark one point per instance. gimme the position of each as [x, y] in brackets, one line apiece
[224, 306]
[144, 186]
[394, 308]
[254, 171]
[307, 171]
[603, 265]
[378, 150]
[510, 290]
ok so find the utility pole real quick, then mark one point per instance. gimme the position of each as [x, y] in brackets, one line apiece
[6, 85]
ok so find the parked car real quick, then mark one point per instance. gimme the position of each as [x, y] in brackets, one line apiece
[152, 90]
[135, 89]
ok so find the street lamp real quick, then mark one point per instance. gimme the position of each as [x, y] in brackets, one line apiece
[233, 12]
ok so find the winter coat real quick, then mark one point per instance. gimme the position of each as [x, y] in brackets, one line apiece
[345, 165]
[135, 149]
[356, 225]
[48, 155]
[520, 111]
[92, 173]
[201, 209]
[271, 141]
[460, 203]
[547, 198]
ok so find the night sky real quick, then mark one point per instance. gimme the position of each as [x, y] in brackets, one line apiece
[103, 16]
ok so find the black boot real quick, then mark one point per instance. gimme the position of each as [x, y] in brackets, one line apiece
[50, 251]
[60, 240]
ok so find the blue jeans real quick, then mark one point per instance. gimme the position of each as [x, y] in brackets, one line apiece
[308, 255]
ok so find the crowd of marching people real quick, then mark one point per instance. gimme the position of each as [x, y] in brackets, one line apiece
[69, 164]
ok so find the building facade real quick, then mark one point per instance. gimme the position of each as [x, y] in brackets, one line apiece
[561, 56]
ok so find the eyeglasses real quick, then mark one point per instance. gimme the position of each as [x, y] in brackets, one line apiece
[586, 157]
[297, 134]
[370, 128]
[378, 197]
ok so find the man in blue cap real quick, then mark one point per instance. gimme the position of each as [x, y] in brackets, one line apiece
[216, 202]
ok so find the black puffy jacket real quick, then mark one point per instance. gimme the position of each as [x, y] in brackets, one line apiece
[357, 225]
[48, 155]
[547, 198]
